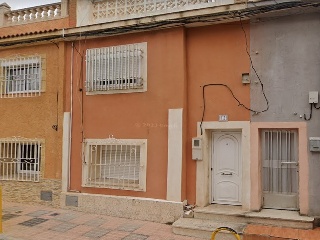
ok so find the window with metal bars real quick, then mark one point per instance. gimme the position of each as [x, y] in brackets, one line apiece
[117, 69]
[280, 161]
[111, 163]
[20, 77]
[20, 159]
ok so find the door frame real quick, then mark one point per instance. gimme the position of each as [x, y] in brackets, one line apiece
[303, 188]
[212, 167]
[203, 178]
[277, 200]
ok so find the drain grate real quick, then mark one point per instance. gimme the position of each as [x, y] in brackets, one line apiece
[8, 216]
[33, 222]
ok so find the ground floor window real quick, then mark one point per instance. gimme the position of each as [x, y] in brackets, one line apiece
[20, 159]
[115, 163]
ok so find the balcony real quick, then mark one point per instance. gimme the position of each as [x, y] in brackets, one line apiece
[34, 14]
[105, 11]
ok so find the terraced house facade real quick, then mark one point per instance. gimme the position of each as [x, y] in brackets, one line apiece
[146, 106]
[31, 102]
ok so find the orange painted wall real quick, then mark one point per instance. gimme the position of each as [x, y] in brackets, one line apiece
[27, 29]
[133, 115]
[180, 62]
[33, 117]
[215, 54]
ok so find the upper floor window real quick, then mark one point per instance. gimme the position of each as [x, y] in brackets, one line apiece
[20, 77]
[117, 69]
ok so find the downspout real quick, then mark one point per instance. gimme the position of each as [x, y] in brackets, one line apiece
[71, 116]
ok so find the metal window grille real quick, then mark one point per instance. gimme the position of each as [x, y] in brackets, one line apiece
[20, 160]
[117, 165]
[280, 161]
[115, 68]
[20, 77]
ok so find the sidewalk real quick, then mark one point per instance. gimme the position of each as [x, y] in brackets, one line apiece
[23, 222]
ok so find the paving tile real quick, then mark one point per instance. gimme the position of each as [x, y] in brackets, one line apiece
[309, 234]
[85, 218]
[64, 227]
[135, 237]
[33, 222]
[96, 233]
[258, 229]
[96, 222]
[115, 235]
[64, 217]
[128, 227]
[8, 216]
[255, 237]
[71, 225]
[282, 232]
[114, 223]
[5, 237]
[12, 209]
[160, 238]
[80, 230]
[38, 213]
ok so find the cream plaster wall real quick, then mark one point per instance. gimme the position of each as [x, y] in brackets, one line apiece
[155, 210]
[174, 175]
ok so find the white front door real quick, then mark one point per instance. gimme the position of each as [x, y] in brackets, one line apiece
[226, 168]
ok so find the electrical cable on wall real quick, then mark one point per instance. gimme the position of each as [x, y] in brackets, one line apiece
[253, 68]
[173, 23]
[80, 89]
[310, 116]
[224, 85]
[315, 106]
[55, 127]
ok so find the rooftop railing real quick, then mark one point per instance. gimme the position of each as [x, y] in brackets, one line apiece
[46, 12]
[114, 10]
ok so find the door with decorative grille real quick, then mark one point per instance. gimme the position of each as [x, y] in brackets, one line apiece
[280, 168]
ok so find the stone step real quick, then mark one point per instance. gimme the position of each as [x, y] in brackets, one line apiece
[280, 218]
[221, 213]
[270, 217]
[203, 228]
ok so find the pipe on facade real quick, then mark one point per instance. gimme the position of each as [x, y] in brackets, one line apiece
[71, 117]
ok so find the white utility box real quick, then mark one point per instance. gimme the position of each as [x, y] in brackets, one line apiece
[196, 148]
[313, 97]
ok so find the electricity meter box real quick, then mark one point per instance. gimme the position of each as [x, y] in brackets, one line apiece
[314, 144]
[196, 148]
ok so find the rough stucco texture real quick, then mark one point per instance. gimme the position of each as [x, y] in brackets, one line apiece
[29, 192]
[285, 53]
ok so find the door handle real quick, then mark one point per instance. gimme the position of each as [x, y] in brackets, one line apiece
[226, 174]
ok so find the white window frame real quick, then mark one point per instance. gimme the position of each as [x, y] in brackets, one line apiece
[124, 76]
[26, 71]
[18, 154]
[89, 181]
